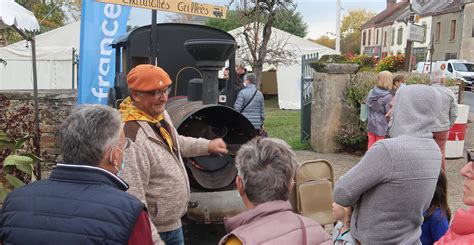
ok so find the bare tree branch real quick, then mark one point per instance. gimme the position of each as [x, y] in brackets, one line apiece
[257, 17]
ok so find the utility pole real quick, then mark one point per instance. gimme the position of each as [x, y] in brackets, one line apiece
[408, 49]
[338, 25]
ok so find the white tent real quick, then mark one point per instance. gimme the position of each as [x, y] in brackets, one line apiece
[288, 75]
[54, 51]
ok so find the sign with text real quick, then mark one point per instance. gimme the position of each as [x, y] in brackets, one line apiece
[176, 6]
[101, 23]
[416, 33]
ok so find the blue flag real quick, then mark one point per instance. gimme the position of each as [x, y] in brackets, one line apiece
[101, 23]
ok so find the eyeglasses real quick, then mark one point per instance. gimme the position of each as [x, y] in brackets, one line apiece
[159, 93]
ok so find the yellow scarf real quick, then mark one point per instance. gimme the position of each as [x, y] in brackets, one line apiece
[132, 113]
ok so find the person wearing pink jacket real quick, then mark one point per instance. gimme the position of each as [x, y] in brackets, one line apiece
[462, 228]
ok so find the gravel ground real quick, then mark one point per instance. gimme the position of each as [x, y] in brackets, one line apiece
[342, 162]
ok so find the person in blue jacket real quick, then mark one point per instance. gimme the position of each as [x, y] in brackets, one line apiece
[437, 217]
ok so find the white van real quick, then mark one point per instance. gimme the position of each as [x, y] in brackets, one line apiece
[423, 67]
[454, 69]
[458, 69]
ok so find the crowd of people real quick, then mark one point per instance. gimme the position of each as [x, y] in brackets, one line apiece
[123, 180]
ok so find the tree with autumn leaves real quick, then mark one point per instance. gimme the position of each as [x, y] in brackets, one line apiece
[50, 16]
[350, 31]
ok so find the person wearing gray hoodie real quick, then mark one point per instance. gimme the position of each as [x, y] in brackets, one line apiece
[378, 102]
[395, 181]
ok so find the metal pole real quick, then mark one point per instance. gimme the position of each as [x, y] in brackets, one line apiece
[431, 52]
[153, 46]
[72, 74]
[406, 64]
[36, 139]
[231, 95]
[303, 63]
[338, 26]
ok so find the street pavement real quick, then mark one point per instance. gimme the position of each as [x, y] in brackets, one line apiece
[342, 162]
[469, 100]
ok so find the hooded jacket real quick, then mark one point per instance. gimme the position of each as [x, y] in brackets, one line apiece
[395, 181]
[461, 230]
[448, 108]
[378, 102]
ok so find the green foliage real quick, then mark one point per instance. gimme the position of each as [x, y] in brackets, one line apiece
[320, 65]
[50, 16]
[350, 43]
[231, 22]
[287, 20]
[448, 82]
[325, 41]
[333, 58]
[290, 21]
[359, 87]
[416, 78]
[16, 147]
[353, 136]
[364, 60]
[13, 163]
[284, 124]
[352, 22]
[392, 63]
[351, 29]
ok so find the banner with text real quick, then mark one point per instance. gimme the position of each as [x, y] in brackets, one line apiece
[101, 23]
[176, 6]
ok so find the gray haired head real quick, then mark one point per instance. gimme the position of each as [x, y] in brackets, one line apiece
[88, 132]
[437, 76]
[239, 62]
[267, 167]
[251, 77]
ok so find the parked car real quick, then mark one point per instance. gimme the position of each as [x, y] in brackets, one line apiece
[454, 69]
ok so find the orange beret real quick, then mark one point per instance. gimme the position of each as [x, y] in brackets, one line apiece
[147, 77]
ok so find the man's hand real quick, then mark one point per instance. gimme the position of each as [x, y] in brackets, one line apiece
[217, 146]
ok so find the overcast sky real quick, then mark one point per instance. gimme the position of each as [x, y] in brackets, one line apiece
[320, 15]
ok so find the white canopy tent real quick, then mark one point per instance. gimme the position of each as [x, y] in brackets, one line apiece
[23, 21]
[288, 75]
[54, 51]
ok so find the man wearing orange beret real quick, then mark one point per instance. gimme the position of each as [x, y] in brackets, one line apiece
[153, 164]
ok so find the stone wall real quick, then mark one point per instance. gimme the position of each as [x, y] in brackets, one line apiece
[54, 107]
[328, 110]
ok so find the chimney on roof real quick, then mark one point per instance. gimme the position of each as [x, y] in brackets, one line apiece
[390, 3]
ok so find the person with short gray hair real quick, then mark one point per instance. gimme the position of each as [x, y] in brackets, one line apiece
[83, 145]
[447, 108]
[250, 103]
[251, 78]
[266, 167]
[83, 201]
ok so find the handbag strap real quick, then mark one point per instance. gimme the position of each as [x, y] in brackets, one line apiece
[245, 106]
[303, 230]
